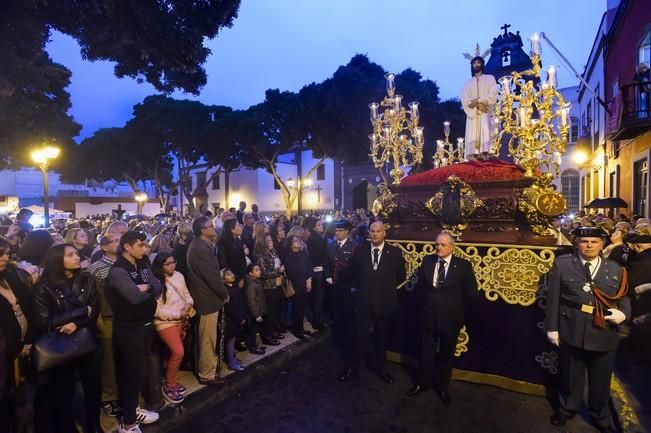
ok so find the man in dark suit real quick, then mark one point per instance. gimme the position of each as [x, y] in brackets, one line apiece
[339, 274]
[209, 293]
[447, 285]
[379, 269]
[585, 301]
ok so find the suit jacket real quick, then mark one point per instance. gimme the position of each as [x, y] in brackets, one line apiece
[377, 294]
[565, 284]
[204, 279]
[444, 307]
[338, 265]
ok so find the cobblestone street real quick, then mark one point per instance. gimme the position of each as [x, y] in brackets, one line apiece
[305, 397]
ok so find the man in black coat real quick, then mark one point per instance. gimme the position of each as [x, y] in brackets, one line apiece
[379, 269]
[583, 327]
[339, 274]
[447, 285]
[639, 282]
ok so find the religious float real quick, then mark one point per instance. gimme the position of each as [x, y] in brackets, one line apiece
[500, 212]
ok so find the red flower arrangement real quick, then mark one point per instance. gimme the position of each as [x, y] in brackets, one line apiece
[474, 171]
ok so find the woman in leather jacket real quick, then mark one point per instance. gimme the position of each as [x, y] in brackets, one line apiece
[65, 300]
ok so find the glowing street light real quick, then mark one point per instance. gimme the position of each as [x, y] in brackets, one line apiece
[141, 198]
[42, 157]
[580, 157]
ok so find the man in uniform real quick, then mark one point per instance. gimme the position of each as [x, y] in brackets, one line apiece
[338, 273]
[585, 303]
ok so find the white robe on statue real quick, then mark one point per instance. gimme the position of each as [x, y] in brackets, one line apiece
[479, 125]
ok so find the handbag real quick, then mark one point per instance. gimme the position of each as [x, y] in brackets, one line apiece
[55, 349]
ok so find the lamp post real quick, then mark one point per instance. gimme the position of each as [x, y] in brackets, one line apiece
[141, 198]
[42, 157]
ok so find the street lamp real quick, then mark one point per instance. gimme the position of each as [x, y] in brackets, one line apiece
[141, 198]
[42, 157]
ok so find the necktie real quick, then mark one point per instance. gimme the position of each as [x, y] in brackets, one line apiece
[338, 244]
[440, 277]
[376, 257]
[588, 271]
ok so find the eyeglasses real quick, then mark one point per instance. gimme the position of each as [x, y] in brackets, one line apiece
[173, 262]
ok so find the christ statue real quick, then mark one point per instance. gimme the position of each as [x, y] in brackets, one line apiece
[478, 98]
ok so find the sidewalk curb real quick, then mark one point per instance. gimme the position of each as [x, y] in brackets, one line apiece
[235, 383]
[623, 411]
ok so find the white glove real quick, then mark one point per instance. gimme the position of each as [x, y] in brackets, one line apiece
[554, 338]
[642, 288]
[329, 280]
[616, 317]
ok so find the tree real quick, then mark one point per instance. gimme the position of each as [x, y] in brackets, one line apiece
[187, 131]
[158, 41]
[266, 130]
[117, 154]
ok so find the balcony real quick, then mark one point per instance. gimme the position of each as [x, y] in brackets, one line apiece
[631, 114]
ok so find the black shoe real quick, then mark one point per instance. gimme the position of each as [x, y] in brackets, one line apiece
[278, 336]
[385, 376]
[417, 389]
[112, 408]
[257, 351]
[348, 374]
[240, 346]
[558, 419]
[302, 335]
[445, 398]
[267, 342]
[319, 326]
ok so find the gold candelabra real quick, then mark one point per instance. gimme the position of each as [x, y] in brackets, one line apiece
[445, 153]
[396, 139]
[535, 119]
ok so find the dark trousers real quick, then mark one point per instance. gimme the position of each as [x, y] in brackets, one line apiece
[299, 303]
[254, 327]
[345, 327]
[573, 364]
[375, 343]
[437, 356]
[131, 348]
[274, 298]
[54, 399]
[316, 298]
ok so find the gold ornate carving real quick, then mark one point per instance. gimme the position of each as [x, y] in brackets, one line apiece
[540, 204]
[507, 272]
[454, 222]
[513, 273]
[385, 204]
[462, 342]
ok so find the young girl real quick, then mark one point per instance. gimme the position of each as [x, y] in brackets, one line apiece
[257, 311]
[236, 312]
[172, 309]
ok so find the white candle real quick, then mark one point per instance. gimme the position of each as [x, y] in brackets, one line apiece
[564, 112]
[391, 86]
[551, 76]
[535, 43]
[522, 113]
[373, 107]
[439, 145]
[414, 109]
[446, 128]
[505, 82]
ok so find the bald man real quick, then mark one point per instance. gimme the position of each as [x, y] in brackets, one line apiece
[379, 269]
[447, 285]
